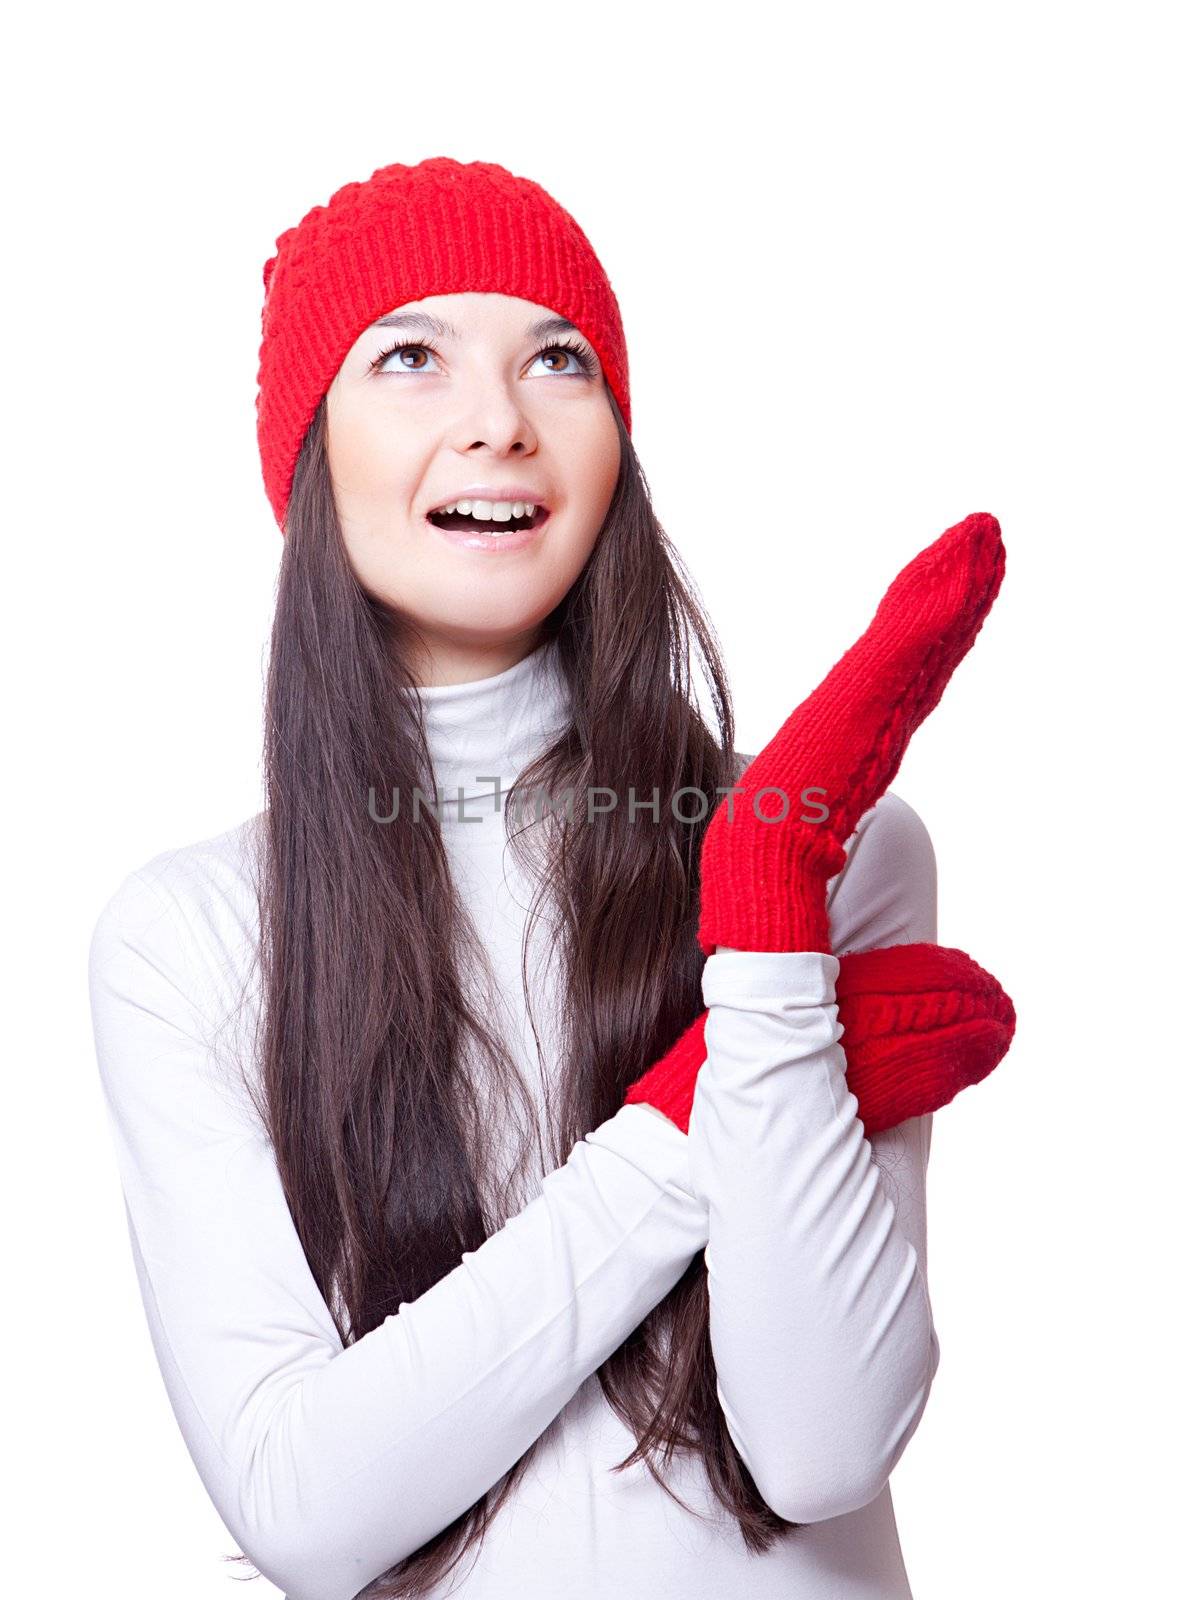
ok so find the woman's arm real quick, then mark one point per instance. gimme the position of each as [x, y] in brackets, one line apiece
[819, 1307]
[328, 1465]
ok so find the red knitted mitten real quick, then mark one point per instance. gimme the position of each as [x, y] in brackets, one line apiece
[764, 867]
[920, 1023]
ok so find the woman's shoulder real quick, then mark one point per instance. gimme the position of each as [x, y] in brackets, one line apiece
[173, 980]
[198, 898]
[891, 826]
[887, 890]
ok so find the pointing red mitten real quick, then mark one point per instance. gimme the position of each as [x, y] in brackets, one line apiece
[764, 865]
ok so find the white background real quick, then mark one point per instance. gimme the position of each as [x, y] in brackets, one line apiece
[879, 267]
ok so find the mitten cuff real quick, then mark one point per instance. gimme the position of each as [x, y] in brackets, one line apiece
[669, 1083]
[768, 894]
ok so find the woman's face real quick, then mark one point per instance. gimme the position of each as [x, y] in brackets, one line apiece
[421, 412]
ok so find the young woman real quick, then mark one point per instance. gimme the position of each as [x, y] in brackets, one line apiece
[478, 1256]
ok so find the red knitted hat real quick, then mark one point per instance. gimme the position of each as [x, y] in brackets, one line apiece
[441, 227]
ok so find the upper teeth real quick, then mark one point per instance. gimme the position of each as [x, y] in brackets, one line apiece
[490, 510]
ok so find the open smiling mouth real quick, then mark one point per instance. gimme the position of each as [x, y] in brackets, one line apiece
[459, 520]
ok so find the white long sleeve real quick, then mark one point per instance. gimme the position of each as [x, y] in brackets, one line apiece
[820, 1313]
[330, 1464]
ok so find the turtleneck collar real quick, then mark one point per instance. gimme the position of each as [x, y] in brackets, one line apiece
[494, 725]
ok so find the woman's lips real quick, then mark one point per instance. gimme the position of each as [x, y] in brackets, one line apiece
[477, 539]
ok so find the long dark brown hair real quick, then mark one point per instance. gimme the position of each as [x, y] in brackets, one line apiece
[374, 1115]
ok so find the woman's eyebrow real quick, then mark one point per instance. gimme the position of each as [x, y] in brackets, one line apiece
[420, 322]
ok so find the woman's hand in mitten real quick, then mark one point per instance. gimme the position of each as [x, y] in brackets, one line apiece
[764, 865]
[920, 1023]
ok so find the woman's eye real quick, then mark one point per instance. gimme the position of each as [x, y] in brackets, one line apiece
[567, 353]
[381, 362]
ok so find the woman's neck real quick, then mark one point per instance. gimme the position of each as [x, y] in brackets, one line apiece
[483, 733]
[448, 663]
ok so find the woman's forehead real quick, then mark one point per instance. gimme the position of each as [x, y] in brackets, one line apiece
[472, 303]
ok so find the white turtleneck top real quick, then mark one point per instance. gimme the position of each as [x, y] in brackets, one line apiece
[330, 1464]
